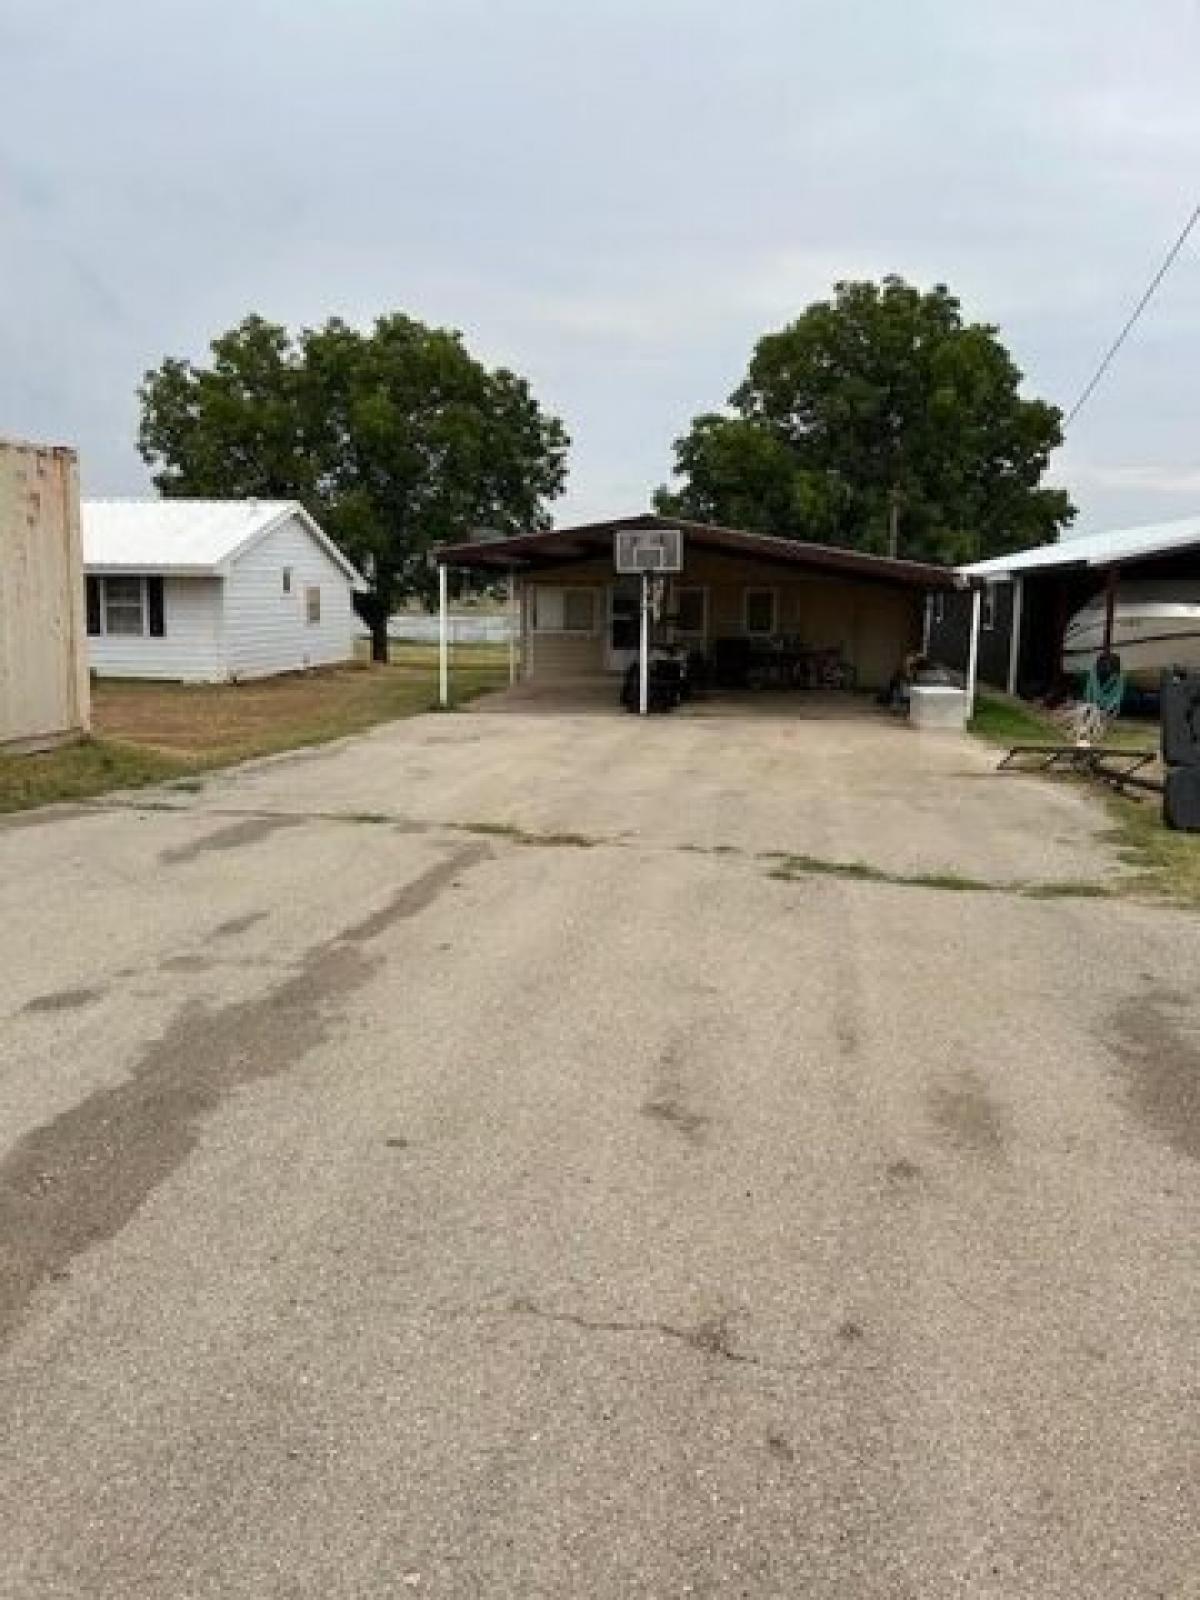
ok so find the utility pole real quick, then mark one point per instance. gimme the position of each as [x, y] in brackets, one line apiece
[893, 522]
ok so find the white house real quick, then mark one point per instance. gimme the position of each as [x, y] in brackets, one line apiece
[209, 590]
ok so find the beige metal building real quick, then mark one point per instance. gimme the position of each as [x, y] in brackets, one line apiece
[43, 657]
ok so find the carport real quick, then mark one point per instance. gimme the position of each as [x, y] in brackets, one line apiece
[794, 614]
[1029, 596]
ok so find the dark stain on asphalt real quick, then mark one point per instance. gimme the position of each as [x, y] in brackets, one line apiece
[780, 1445]
[236, 925]
[669, 1109]
[971, 1119]
[235, 837]
[44, 816]
[187, 963]
[78, 1180]
[848, 1039]
[669, 1103]
[903, 1171]
[63, 1000]
[850, 1332]
[1157, 1037]
[418, 894]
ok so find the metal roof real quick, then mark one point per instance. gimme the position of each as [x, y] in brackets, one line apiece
[198, 538]
[557, 545]
[1095, 549]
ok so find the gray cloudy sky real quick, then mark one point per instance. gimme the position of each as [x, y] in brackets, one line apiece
[616, 197]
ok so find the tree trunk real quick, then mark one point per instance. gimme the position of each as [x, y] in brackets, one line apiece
[374, 607]
[379, 636]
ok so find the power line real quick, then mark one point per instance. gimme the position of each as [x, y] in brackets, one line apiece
[1135, 315]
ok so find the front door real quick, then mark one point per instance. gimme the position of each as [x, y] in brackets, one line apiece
[624, 623]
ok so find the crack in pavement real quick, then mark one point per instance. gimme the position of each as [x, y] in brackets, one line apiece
[784, 866]
[710, 1337]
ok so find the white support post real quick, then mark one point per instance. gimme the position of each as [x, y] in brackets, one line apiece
[443, 637]
[644, 651]
[512, 627]
[1014, 638]
[926, 624]
[973, 652]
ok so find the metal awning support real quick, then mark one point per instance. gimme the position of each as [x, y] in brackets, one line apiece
[1111, 579]
[1014, 638]
[973, 652]
[443, 636]
[512, 626]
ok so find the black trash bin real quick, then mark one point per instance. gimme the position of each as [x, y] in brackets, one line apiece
[664, 689]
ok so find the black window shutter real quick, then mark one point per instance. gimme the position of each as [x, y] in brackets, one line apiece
[154, 602]
[92, 586]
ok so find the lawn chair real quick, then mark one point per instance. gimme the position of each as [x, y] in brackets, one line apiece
[1104, 694]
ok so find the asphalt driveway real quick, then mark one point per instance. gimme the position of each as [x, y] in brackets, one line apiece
[559, 1155]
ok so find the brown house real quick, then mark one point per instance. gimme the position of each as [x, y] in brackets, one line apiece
[578, 618]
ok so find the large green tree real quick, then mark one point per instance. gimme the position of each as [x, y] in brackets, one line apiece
[395, 439]
[878, 413]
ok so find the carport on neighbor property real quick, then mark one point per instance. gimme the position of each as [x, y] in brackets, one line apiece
[577, 619]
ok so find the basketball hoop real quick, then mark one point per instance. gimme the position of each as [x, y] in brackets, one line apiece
[641, 550]
[648, 552]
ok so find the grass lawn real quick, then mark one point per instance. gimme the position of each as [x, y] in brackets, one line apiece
[1002, 720]
[1165, 865]
[148, 732]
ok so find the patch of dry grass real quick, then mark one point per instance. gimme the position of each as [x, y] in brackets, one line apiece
[79, 771]
[212, 724]
[149, 732]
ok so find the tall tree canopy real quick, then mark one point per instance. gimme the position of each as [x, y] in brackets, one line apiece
[881, 401]
[395, 439]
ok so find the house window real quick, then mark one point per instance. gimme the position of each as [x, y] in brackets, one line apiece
[287, 580]
[312, 603]
[760, 611]
[124, 607]
[987, 609]
[691, 610]
[564, 610]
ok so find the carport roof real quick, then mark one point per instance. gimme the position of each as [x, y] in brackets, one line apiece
[1106, 549]
[553, 546]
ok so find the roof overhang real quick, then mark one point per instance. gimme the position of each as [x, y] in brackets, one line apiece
[558, 546]
[155, 557]
[150, 569]
[1093, 552]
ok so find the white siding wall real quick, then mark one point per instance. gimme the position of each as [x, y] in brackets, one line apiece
[265, 629]
[190, 649]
